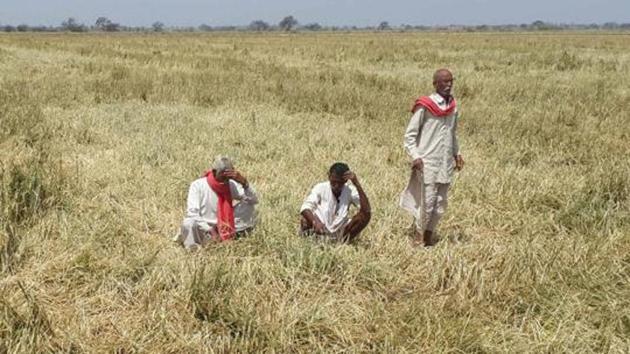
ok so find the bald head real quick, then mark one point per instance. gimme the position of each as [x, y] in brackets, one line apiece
[443, 83]
[440, 73]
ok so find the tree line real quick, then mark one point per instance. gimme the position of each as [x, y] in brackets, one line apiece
[290, 24]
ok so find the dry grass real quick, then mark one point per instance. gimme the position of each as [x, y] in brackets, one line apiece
[100, 136]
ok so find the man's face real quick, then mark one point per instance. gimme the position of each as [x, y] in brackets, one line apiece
[220, 177]
[336, 184]
[444, 83]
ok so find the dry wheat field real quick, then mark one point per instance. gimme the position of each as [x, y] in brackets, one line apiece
[100, 136]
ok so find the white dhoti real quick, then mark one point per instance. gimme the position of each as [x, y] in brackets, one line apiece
[435, 203]
[195, 232]
[425, 202]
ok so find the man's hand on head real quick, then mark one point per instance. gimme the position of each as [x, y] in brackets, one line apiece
[417, 164]
[351, 176]
[236, 176]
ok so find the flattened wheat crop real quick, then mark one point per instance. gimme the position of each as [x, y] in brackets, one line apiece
[100, 136]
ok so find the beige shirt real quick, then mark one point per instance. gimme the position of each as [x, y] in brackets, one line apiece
[434, 140]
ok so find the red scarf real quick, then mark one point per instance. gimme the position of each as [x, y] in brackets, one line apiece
[225, 208]
[431, 106]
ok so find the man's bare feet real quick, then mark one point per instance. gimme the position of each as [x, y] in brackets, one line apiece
[417, 240]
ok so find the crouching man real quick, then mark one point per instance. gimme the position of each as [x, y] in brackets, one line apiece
[220, 206]
[325, 209]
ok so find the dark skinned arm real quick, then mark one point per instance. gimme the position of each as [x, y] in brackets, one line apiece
[364, 202]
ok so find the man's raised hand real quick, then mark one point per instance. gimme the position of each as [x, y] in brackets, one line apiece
[351, 176]
[236, 176]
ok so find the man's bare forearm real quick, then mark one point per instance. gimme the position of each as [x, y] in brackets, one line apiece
[364, 202]
[309, 216]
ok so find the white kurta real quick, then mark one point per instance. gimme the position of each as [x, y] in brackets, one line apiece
[332, 212]
[434, 140]
[201, 211]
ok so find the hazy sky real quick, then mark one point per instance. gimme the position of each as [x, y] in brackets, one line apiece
[326, 12]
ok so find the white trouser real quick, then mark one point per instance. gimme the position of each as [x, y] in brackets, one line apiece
[195, 233]
[435, 203]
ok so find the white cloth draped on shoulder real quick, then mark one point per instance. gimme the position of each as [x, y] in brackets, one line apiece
[412, 197]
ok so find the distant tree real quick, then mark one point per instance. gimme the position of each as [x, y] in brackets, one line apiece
[383, 26]
[39, 29]
[157, 26]
[288, 23]
[22, 28]
[259, 25]
[225, 28]
[406, 28]
[101, 22]
[112, 27]
[72, 25]
[9, 28]
[205, 28]
[105, 24]
[313, 26]
[538, 23]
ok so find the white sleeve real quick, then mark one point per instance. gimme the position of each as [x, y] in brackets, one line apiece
[246, 195]
[412, 132]
[312, 200]
[355, 199]
[193, 202]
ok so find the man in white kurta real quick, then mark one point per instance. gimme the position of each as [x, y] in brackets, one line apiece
[325, 211]
[199, 224]
[431, 143]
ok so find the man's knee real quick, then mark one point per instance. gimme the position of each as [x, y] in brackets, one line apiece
[357, 224]
[188, 225]
[305, 224]
[430, 204]
[441, 205]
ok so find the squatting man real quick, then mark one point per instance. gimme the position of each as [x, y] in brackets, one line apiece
[431, 143]
[220, 206]
[325, 211]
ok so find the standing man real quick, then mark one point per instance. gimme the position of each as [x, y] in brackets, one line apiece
[431, 143]
[325, 209]
[220, 205]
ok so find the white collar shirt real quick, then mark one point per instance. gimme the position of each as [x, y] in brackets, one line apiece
[434, 140]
